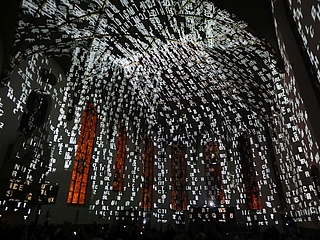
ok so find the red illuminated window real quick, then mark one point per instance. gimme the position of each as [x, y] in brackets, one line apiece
[117, 184]
[80, 173]
[147, 174]
[178, 169]
[213, 174]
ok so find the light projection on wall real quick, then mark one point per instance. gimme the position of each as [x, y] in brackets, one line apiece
[218, 214]
[37, 111]
[315, 173]
[23, 179]
[147, 174]
[249, 176]
[306, 17]
[24, 183]
[178, 171]
[117, 184]
[304, 151]
[213, 175]
[179, 70]
[82, 162]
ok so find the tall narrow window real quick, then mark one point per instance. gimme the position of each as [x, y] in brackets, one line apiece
[213, 174]
[178, 171]
[316, 178]
[117, 184]
[147, 174]
[80, 173]
[251, 185]
[36, 112]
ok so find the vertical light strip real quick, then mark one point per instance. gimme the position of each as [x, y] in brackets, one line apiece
[80, 173]
[213, 173]
[117, 184]
[251, 185]
[147, 173]
[178, 171]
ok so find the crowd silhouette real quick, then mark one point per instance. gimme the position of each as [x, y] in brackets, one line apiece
[69, 231]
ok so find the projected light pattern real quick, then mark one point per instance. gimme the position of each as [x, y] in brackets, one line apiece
[307, 19]
[213, 175]
[117, 184]
[178, 71]
[316, 178]
[294, 134]
[178, 171]
[30, 132]
[147, 174]
[249, 177]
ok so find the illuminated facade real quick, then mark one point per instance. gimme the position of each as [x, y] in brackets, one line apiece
[231, 136]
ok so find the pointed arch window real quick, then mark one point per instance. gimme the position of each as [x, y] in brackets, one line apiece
[147, 174]
[82, 163]
[117, 184]
[178, 171]
[212, 161]
[36, 112]
[253, 199]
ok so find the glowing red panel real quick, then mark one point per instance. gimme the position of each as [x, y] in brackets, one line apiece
[80, 173]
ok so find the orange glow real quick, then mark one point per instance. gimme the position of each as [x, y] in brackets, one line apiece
[80, 173]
